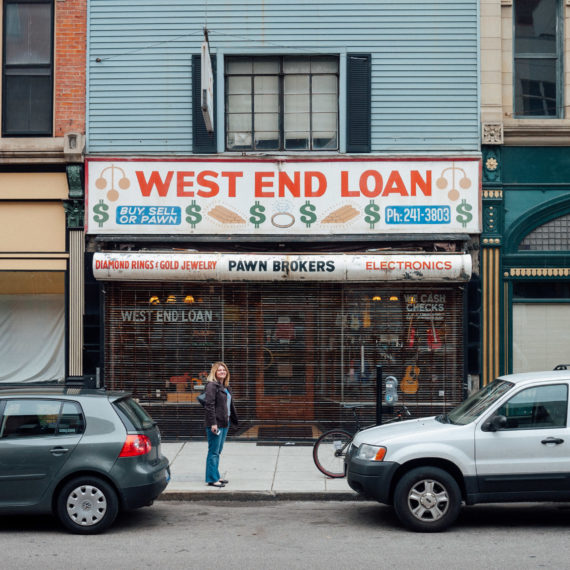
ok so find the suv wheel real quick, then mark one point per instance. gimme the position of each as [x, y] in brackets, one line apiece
[87, 505]
[427, 499]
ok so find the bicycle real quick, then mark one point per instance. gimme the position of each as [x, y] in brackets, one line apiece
[331, 447]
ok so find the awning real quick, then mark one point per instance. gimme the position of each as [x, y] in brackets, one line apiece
[162, 266]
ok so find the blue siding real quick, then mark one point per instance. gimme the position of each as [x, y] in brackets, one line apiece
[424, 65]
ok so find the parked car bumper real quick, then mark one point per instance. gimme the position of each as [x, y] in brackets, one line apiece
[371, 479]
[147, 486]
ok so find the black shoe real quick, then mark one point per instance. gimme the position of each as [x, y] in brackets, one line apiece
[224, 481]
[217, 484]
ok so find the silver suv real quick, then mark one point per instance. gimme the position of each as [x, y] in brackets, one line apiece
[508, 442]
[80, 454]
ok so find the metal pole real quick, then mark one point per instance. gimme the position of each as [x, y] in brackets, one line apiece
[379, 395]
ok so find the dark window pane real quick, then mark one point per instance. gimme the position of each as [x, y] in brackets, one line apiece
[28, 34]
[133, 415]
[27, 106]
[535, 26]
[541, 290]
[535, 87]
[71, 420]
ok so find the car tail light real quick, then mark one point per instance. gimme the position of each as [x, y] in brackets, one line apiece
[135, 445]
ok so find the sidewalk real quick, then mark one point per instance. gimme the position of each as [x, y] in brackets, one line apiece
[254, 472]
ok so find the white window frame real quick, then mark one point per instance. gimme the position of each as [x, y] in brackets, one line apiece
[221, 99]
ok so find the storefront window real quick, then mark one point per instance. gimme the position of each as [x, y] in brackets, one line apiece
[540, 316]
[32, 326]
[297, 352]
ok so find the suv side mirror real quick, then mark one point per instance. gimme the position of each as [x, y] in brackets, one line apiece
[495, 423]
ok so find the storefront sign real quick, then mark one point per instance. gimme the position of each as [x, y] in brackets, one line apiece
[281, 197]
[258, 267]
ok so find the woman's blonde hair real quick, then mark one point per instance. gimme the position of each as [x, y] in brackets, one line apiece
[212, 375]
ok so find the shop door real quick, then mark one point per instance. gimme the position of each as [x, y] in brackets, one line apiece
[285, 366]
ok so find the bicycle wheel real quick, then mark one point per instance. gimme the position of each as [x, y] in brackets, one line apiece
[329, 452]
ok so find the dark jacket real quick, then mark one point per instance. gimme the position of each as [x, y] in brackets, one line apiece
[216, 406]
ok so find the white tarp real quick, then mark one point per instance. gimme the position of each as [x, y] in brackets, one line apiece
[32, 334]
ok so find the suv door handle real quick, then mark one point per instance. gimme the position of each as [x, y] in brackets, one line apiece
[555, 440]
[58, 450]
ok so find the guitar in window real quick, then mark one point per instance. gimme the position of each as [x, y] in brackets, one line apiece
[410, 381]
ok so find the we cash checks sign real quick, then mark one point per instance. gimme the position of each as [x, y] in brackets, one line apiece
[262, 197]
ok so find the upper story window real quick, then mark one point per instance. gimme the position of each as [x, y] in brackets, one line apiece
[537, 58]
[27, 78]
[281, 103]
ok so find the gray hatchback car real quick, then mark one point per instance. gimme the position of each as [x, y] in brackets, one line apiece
[78, 453]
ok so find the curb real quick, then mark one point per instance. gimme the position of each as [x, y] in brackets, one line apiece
[258, 496]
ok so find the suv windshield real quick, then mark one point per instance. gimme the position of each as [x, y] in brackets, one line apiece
[477, 403]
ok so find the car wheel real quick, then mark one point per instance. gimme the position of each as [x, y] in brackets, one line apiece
[427, 499]
[87, 505]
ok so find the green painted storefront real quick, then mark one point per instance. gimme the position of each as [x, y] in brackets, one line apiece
[525, 259]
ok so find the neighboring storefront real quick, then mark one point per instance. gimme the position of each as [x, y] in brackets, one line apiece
[39, 297]
[303, 276]
[525, 262]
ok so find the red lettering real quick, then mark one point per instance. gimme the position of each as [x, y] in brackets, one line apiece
[294, 186]
[377, 181]
[260, 184]
[395, 185]
[416, 181]
[182, 182]
[146, 186]
[202, 180]
[344, 191]
[321, 184]
[232, 176]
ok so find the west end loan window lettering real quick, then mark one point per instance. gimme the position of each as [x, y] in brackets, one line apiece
[27, 68]
[537, 58]
[282, 103]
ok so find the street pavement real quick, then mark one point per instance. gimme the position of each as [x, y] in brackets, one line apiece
[254, 472]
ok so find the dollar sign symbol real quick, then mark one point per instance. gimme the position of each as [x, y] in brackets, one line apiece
[464, 210]
[194, 217]
[257, 215]
[101, 215]
[308, 211]
[372, 217]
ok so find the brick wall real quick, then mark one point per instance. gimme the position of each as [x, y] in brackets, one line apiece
[70, 66]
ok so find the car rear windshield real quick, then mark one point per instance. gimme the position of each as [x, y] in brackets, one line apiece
[133, 415]
[478, 402]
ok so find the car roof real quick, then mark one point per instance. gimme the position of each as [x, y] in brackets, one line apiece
[539, 376]
[59, 390]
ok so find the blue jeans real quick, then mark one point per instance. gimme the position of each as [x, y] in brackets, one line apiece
[215, 446]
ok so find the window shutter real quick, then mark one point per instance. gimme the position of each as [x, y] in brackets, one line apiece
[203, 142]
[358, 103]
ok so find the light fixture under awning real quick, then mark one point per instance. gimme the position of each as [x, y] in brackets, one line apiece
[159, 266]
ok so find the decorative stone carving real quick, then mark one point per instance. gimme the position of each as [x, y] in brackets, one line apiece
[74, 210]
[492, 133]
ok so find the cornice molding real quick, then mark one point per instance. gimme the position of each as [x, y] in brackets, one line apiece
[537, 134]
[30, 150]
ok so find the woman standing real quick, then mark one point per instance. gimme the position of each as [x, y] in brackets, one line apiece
[220, 410]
